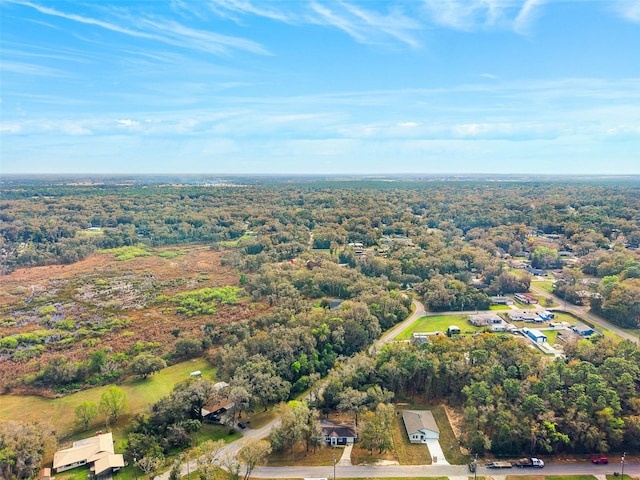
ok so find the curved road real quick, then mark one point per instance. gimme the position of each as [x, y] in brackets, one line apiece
[584, 312]
[408, 471]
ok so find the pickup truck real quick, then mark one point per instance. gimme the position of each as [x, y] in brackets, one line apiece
[522, 463]
[529, 462]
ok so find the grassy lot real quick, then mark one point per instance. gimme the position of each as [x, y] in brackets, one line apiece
[525, 306]
[140, 394]
[545, 285]
[323, 455]
[448, 441]
[437, 323]
[408, 453]
[499, 307]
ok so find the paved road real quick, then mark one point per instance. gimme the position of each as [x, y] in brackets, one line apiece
[584, 312]
[418, 312]
[451, 471]
[395, 471]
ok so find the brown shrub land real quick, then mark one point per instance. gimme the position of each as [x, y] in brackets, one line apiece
[100, 289]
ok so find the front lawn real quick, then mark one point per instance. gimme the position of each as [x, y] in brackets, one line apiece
[140, 394]
[437, 323]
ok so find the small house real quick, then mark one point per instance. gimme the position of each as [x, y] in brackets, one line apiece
[485, 319]
[501, 300]
[583, 330]
[534, 335]
[521, 316]
[338, 433]
[420, 425]
[526, 298]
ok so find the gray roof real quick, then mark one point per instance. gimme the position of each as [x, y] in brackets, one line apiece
[339, 430]
[416, 420]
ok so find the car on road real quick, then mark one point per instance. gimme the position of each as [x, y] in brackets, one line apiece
[600, 459]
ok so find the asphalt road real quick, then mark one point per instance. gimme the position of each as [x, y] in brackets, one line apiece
[395, 471]
[452, 471]
[584, 312]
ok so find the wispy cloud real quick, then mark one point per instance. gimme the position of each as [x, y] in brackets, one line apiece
[30, 69]
[471, 15]
[229, 9]
[527, 15]
[366, 26]
[165, 31]
[628, 9]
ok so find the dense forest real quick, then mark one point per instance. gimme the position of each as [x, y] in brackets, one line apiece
[436, 236]
[282, 283]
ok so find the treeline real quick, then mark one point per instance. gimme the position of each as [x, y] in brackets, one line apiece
[40, 222]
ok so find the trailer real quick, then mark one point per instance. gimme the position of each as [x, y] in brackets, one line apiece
[529, 462]
[522, 463]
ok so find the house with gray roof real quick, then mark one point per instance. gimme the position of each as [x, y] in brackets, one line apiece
[338, 433]
[420, 425]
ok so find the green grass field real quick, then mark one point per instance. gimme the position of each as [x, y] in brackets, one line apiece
[60, 411]
[499, 307]
[437, 323]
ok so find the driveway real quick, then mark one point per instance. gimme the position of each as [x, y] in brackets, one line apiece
[436, 452]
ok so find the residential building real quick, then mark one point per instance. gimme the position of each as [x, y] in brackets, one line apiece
[420, 425]
[97, 452]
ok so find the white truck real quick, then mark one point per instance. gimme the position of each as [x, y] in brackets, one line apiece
[522, 463]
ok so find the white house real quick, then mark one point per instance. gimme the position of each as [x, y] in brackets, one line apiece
[420, 425]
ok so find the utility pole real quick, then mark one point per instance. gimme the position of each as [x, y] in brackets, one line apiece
[135, 468]
[475, 467]
[334, 467]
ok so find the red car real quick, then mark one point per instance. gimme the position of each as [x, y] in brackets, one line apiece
[600, 459]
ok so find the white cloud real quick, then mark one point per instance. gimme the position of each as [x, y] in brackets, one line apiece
[470, 14]
[227, 7]
[164, 31]
[527, 15]
[128, 123]
[628, 9]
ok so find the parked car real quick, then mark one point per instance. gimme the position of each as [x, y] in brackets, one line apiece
[600, 459]
[242, 425]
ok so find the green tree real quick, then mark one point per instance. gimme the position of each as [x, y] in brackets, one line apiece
[545, 257]
[377, 429]
[209, 460]
[294, 424]
[146, 364]
[113, 402]
[254, 454]
[22, 447]
[85, 413]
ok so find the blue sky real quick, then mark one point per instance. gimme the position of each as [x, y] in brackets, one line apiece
[320, 86]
